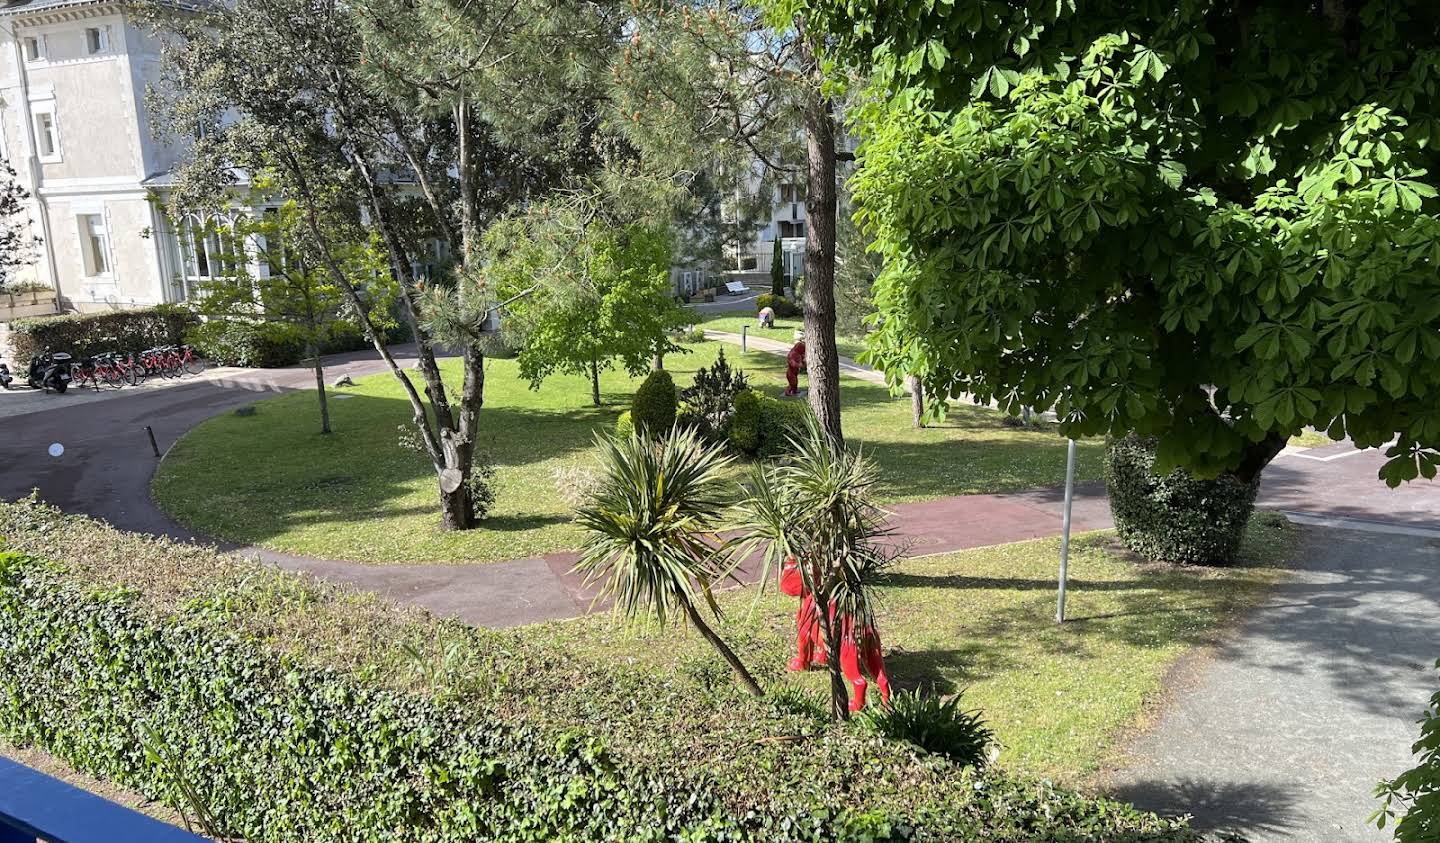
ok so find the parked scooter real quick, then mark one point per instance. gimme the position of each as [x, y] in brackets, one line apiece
[50, 370]
[5, 376]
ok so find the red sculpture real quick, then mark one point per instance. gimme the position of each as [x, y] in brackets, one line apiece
[794, 364]
[858, 647]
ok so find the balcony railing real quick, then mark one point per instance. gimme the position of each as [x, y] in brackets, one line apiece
[35, 807]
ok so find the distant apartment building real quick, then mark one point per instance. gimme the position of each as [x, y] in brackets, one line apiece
[75, 127]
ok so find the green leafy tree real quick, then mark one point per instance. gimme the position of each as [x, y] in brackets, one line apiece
[269, 273]
[652, 530]
[1212, 223]
[606, 301]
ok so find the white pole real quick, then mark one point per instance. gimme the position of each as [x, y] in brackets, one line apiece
[1065, 529]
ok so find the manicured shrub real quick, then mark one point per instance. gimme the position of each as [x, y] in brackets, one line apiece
[783, 307]
[935, 724]
[302, 711]
[696, 334]
[482, 486]
[1176, 518]
[87, 334]
[710, 401]
[653, 408]
[744, 431]
[761, 426]
[624, 427]
[780, 419]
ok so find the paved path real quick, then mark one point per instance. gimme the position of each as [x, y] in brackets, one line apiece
[1283, 732]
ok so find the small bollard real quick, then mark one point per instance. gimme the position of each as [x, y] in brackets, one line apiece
[744, 336]
[153, 446]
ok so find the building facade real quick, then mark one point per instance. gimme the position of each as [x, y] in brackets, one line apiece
[75, 127]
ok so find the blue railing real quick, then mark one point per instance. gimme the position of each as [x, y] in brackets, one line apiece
[34, 806]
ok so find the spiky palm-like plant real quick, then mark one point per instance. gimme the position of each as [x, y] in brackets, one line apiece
[652, 531]
[818, 507]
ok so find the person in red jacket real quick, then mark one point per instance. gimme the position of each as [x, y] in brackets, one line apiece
[794, 365]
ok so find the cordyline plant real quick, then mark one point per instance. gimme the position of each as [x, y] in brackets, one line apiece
[818, 508]
[653, 528]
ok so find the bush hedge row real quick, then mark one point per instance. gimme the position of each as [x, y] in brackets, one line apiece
[88, 334]
[297, 710]
[269, 345]
[1178, 517]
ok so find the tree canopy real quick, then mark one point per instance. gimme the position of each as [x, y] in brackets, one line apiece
[1211, 222]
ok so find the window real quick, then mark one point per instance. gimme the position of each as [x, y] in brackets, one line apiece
[34, 47]
[792, 193]
[792, 229]
[97, 39]
[47, 134]
[94, 244]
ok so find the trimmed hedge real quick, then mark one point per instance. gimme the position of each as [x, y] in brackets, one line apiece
[303, 711]
[88, 334]
[624, 427]
[1176, 518]
[761, 426]
[271, 345]
[655, 404]
[783, 307]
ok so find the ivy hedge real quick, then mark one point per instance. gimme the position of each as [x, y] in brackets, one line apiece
[88, 334]
[296, 710]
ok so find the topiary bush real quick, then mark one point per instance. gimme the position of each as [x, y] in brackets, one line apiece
[761, 426]
[653, 408]
[1176, 518]
[303, 711]
[88, 334]
[783, 307]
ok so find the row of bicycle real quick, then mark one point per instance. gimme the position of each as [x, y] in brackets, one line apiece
[57, 371]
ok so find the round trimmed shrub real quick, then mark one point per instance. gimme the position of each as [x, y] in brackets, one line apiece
[653, 408]
[624, 427]
[745, 422]
[1175, 518]
[783, 307]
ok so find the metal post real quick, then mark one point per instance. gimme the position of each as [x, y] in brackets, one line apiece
[744, 335]
[154, 447]
[1065, 529]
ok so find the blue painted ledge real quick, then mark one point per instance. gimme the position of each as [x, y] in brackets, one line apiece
[34, 806]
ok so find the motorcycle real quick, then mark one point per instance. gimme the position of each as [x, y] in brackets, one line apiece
[5, 376]
[50, 370]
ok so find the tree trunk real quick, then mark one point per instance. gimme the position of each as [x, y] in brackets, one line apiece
[839, 689]
[822, 358]
[657, 363]
[1258, 455]
[314, 354]
[741, 673]
[594, 382]
[917, 402]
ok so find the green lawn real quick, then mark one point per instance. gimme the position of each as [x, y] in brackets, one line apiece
[271, 479]
[1062, 699]
[784, 330]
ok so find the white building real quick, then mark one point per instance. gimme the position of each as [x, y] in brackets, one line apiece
[75, 127]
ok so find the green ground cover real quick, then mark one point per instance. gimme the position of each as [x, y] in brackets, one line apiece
[271, 479]
[628, 714]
